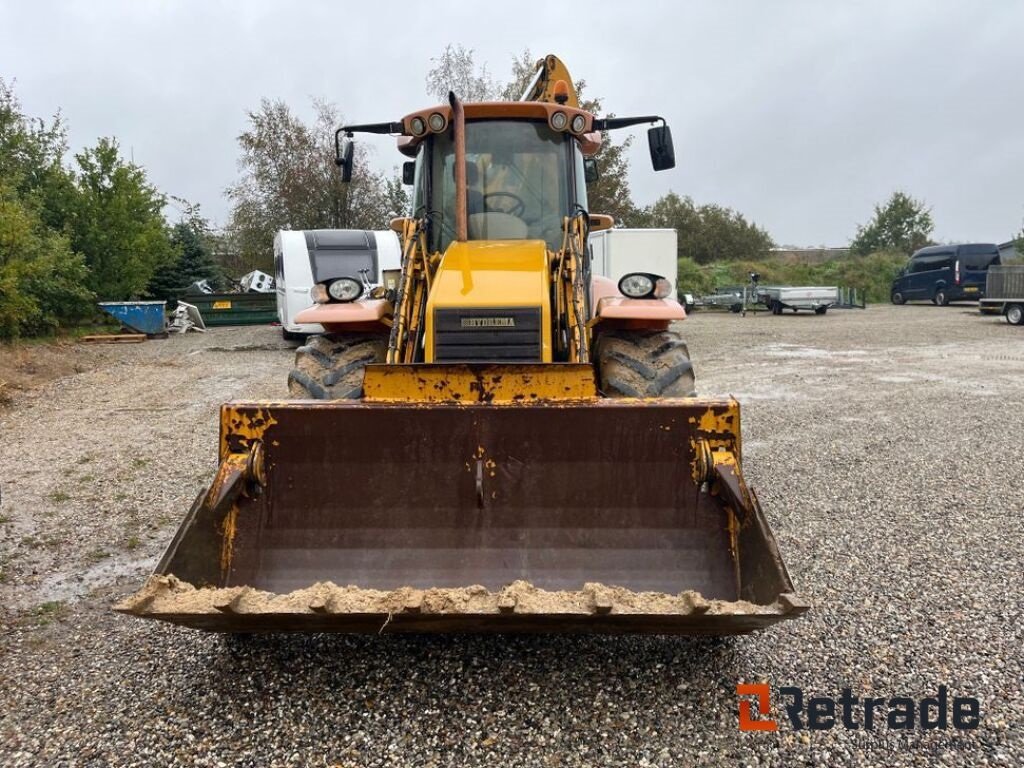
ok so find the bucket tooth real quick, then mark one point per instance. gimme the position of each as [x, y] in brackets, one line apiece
[413, 602]
[696, 604]
[232, 602]
[507, 602]
[322, 604]
[794, 603]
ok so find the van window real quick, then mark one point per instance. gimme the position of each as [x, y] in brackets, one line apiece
[979, 257]
[930, 262]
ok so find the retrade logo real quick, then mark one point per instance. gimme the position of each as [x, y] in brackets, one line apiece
[820, 713]
[764, 707]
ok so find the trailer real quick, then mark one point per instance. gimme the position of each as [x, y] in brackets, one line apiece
[815, 299]
[1004, 293]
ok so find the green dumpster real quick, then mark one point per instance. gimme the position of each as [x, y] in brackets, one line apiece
[235, 308]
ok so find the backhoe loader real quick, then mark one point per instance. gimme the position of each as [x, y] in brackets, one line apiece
[490, 439]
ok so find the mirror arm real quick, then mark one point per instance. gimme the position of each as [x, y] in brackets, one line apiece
[613, 123]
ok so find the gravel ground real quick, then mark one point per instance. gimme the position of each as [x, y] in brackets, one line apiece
[885, 447]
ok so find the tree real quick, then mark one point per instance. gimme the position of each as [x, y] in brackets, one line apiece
[289, 181]
[708, 233]
[42, 282]
[191, 239]
[454, 70]
[903, 224]
[117, 223]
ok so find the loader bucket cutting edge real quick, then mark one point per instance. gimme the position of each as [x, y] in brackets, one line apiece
[571, 516]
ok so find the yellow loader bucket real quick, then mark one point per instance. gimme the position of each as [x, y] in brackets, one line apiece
[594, 515]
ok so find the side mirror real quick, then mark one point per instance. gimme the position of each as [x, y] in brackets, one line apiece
[343, 158]
[663, 154]
[408, 173]
[591, 173]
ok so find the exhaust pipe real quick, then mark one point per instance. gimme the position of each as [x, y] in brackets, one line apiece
[459, 126]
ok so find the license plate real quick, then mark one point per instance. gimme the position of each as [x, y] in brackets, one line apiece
[970, 290]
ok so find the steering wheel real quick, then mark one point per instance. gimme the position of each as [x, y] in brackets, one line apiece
[518, 206]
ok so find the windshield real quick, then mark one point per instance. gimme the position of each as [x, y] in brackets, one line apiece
[517, 176]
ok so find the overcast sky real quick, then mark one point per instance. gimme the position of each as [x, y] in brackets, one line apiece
[801, 115]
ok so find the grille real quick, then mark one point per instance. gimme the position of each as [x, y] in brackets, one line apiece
[509, 334]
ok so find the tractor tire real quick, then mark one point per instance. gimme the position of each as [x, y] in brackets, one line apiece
[331, 367]
[644, 364]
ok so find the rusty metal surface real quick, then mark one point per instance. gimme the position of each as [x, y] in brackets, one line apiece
[466, 383]
[563, 497]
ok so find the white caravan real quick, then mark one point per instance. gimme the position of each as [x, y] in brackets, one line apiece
[294, 271]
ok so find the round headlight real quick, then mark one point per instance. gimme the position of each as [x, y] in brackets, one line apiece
[436, 121]
[418, 126]
[636, 285]
[559, 121]
[579, 123]
[345, 289]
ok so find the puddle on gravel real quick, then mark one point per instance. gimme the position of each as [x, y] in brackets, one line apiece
[813, 353]
[73, 586]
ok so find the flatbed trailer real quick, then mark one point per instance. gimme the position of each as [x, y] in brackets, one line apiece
[815, 299]
[1004, 293]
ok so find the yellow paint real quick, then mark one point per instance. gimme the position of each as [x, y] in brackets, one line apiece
[512, 384]
[495, 274]
[222, 305]
[228, 530]
[720, 426]
[250, 425]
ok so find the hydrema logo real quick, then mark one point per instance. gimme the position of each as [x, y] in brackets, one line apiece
[488, 322]
[820, 713]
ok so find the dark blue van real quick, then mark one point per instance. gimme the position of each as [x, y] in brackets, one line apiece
[944, 273]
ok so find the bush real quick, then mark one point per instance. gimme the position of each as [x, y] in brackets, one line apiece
[42, 282]
[871, 275]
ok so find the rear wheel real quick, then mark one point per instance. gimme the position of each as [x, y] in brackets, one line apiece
[644, 364]
[941, 297]
[1015, 314]
[898, 298]
[331, 367]
[820, 310]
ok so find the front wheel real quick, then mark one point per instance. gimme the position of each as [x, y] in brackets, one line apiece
[331, 367]
[898, 298]
[1015, 314]
[644, 364]
[820, 310]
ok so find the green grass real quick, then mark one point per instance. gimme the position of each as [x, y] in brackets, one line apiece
[4, 519]
[132, 543]
[95, 555]
[49, 612]
[59, 496]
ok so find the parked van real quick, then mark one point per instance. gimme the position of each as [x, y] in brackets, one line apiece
[293, 264]
[945, 273]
